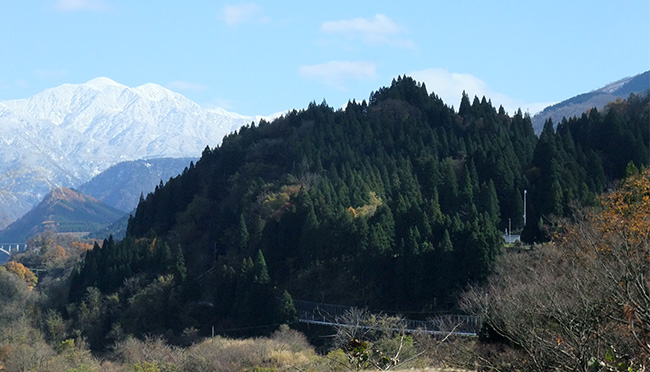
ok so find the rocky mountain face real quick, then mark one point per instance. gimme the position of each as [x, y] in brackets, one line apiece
[575, 106]
[66, 135]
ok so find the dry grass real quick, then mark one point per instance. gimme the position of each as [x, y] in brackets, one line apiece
[286, 350]
[432, 369]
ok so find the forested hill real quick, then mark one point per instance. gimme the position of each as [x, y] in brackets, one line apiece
[391, 203]
[394, 204]
[586, 155]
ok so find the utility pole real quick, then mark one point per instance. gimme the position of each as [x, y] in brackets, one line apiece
[525, 192]
[509, 231]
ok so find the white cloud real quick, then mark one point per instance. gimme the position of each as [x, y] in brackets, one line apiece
[222, 103]
[18, 83]
[375, 31]
[75, 5]
[240, 13]
[534, 107]
[336, 73]
[50, 74]
[449, 86]
[21, 83]
[186, 86]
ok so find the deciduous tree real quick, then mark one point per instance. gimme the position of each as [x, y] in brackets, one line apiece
[22, 272]
[580, 303]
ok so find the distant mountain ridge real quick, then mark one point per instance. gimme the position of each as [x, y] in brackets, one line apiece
[121, 185]
[118, 187]
[66, 135]
[62, 210]
[575, 106]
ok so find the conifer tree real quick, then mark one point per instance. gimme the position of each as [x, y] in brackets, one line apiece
[242, 235]
[178, 264]
[260, 273]
[287, 311]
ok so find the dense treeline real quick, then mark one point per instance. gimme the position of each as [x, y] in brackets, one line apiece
[394, 204]
[584, 156]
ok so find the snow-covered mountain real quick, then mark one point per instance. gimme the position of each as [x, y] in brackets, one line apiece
[66, 135]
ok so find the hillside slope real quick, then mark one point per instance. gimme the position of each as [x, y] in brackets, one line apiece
[62, 210]
[121, 185]
[575, 106]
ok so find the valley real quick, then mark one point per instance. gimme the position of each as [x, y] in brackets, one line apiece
[365, 216]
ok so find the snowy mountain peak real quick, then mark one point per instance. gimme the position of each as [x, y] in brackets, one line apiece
[103, 82]
[65, 135]
[155, 92]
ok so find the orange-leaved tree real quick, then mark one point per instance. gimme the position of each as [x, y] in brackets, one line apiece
[22, 272]
[581, 303]
[617, 236]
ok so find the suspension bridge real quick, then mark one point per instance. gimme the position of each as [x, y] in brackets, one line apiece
[442, 324]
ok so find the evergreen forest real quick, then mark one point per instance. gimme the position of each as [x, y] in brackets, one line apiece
[394, 204]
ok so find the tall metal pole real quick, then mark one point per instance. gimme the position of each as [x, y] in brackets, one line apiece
[525, 192]
[509, 231]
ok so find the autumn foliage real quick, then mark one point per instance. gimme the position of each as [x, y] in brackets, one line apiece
[22, 272]
[580, 303]
[626, 212]
[618, 237]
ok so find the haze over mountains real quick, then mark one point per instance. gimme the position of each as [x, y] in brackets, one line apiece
[66, 135]
[121, 185]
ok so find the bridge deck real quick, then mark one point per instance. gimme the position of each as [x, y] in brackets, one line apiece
[332, 315]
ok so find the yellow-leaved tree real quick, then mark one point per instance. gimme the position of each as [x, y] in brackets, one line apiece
[22, 272]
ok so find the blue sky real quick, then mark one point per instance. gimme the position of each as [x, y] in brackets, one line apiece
[262, 57]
